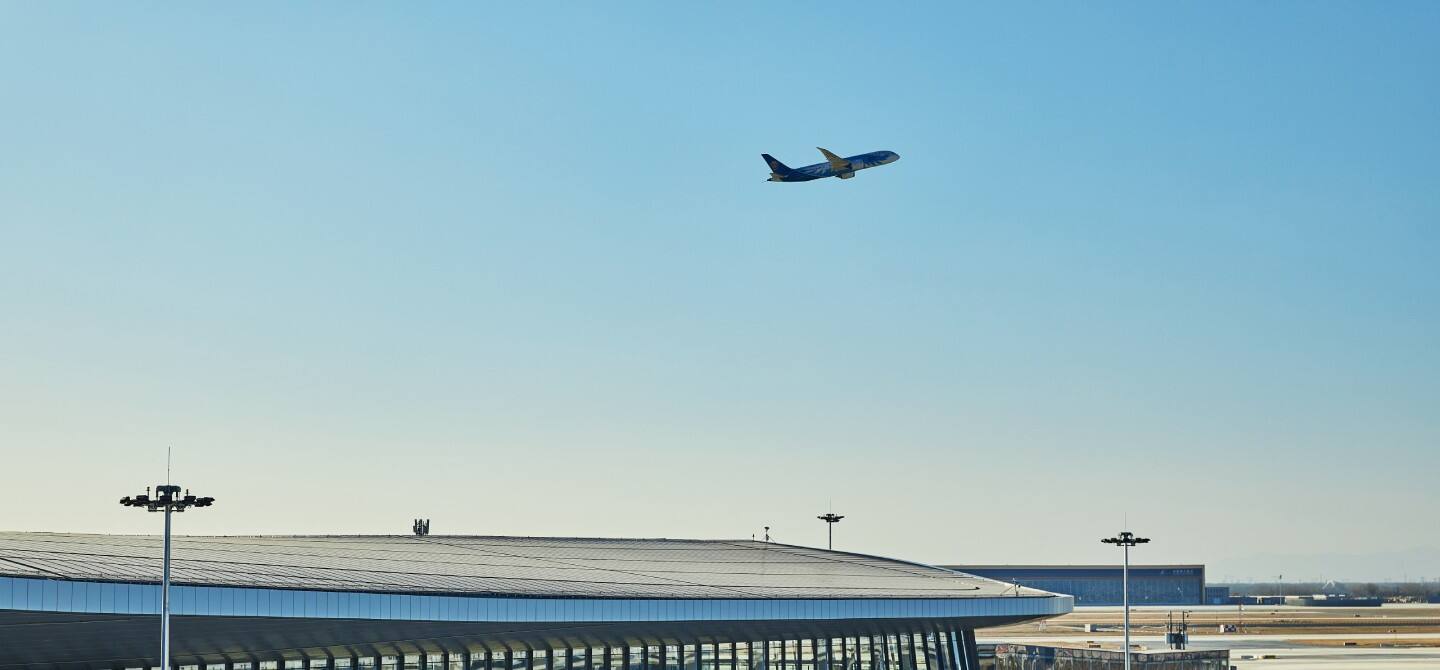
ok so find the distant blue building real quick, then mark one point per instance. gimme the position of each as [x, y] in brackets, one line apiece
[1095, 585]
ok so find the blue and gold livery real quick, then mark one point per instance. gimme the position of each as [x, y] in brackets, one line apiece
[834, 166]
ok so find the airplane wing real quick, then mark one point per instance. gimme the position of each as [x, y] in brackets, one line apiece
[837, 163]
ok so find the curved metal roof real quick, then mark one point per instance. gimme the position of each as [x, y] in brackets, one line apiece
[494, 566]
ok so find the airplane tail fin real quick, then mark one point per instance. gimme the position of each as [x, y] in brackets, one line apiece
[776, 166]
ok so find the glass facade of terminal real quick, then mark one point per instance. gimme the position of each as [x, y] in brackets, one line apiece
[272, 629]
[936, 650]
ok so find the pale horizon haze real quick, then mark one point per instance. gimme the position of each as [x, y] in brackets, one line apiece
[516, 268]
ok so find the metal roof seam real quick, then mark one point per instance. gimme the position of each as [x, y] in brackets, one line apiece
[459, 566]
[632, 573]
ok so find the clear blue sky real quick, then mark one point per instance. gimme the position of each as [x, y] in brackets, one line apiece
[516, 268]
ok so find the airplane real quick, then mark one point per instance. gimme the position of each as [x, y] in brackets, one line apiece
[834, 166]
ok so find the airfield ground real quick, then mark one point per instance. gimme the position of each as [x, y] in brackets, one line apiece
[1394, 636]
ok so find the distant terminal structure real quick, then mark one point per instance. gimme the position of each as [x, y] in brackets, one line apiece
[1323, 600]
[1099, 585]
[1334, 594]
[1217, 595]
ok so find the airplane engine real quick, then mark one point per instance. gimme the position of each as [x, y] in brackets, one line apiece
[845, 175]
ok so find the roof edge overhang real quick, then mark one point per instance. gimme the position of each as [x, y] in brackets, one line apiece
[104, 597]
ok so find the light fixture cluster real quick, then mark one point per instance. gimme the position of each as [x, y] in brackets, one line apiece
[167, 497]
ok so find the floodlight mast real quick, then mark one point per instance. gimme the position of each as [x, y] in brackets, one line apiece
[167, 499]
[830, 519]
[1126, 539]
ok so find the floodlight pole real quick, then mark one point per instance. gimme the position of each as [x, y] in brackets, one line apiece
[1125, 540]
[167, 499]
[830, 519]
[165, 599]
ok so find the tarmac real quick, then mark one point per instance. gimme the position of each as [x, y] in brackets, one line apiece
[1337, 658]
[1293, 637]
[1286, 653]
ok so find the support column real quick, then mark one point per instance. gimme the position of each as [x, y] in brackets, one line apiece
[952, 648]
[935, 650]
[972, 654]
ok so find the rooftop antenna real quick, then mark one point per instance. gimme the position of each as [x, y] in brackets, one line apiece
[421, 527]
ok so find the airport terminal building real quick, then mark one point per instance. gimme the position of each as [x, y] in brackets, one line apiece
[1097, 585]
[490, 603]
